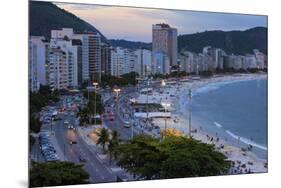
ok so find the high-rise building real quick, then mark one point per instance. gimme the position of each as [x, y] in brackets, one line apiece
[143, 62]
[38, 59]
[62, 39]
[58, 69]
[260, 57]
[162, 63]
[187, 62]
[105, 59]
[91, 56]
[77, 44]
[120, 61]
[250, 62]
[164, 40]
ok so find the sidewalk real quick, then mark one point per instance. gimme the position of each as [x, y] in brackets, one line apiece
[97, 149]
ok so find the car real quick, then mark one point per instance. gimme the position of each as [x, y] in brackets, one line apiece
[127, 125]
[72, 142]
[71, 127]
[57, 119]
[65, 122]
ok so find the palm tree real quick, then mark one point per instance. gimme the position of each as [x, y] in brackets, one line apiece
[103, 138]
[110, 150]
[114, 137]
[113, 143]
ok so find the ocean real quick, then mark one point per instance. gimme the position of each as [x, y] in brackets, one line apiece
[235, 111]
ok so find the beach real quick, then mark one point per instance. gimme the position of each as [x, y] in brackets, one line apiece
[177, 95]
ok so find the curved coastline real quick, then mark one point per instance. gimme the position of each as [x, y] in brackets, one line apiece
[206, 85]
[221, 83]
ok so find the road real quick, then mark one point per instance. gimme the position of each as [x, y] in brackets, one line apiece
[99, 173]
[118, 123]
[99, 169]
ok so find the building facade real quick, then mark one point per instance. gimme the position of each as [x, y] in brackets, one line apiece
[164, 40]
[38, 60]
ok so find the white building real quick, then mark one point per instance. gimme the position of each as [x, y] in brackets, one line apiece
[143, 62]
[63, 40]
[38, 50]
[250, 62]
[219, 56]
[58, 69]
[162, 63]
[118, 62]
[260, 57]
[187, 62]
[123, 61]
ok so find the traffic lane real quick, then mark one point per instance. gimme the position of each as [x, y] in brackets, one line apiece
[94, 164]
[118, 125]
[61, 135]
[72, 151]
[102, 173]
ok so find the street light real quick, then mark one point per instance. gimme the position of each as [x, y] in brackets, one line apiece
[189, 113]
[95, 113]
[165, 105]
[117, 91]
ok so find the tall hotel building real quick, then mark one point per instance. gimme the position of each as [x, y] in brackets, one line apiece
[164, 40]
[91, 56]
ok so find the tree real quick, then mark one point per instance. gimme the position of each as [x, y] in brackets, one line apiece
[173, 157]
[34, 124]
[56, 174]
[32, 140]
[113, 144]
[110, 149]
[141, 157]
[84, 115]
[103, 138]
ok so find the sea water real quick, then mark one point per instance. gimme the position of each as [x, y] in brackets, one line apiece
[235, 111]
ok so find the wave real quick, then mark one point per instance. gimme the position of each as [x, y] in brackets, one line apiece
[246, 141]
[217, 124]
[219, 84]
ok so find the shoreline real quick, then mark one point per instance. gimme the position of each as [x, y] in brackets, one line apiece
[251, 160]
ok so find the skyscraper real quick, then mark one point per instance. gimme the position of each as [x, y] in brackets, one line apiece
[164, 40]
[105, 59]
[91, 56]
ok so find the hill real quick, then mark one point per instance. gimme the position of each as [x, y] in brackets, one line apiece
[45, 16]
[237, 42]
[129, 44]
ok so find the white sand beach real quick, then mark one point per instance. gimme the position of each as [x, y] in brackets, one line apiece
[245, 161]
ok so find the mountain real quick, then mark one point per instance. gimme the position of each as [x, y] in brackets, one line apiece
[237, 42]
[45, 16]
[129, 44]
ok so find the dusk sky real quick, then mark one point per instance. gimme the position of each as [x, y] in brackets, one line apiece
[135, 24]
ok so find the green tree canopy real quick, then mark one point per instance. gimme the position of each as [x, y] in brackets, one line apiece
[174, 157]
[103, 138]
[56, 174]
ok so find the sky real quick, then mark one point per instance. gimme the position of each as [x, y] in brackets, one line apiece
[135, 24]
